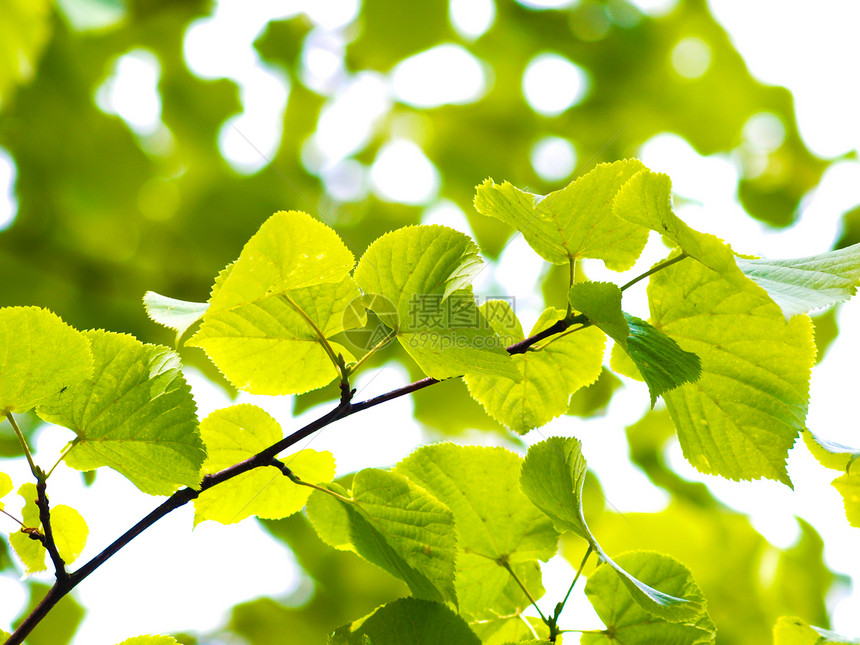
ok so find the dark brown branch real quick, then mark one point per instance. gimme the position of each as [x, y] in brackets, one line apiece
[264, 458]
[49, 543]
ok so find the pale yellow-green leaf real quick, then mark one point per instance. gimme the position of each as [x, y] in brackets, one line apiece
[419, 277]
[646, 200]
[548, 376]
[236, 433]
[5, 486]
[492, 517]
[790, 630]
[272, 312]
[150, 640]
[745, 411]
[70, 532]
[574, 222]
[136, 415]
[40, 356]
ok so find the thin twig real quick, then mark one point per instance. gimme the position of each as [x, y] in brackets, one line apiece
[49, 542]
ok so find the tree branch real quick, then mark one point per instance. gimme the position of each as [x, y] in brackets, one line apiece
[345, 408]
[49, 543]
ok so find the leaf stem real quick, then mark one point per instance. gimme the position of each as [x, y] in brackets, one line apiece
[382, 343]
[507, 567]
[10, 516]
[300, 482]
[560, 607]
[320, 335]
[655, 269]
[33, 467]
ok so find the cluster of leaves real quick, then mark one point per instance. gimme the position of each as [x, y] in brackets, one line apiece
[728, 347]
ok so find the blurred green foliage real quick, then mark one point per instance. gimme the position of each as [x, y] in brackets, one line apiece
[105, 214]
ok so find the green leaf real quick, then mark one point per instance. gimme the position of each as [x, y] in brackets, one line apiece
[661, 362]
[397, 526]
[552, 477]
[790, 630]
[802, 284]
[40, 356]
[292, 276]
[601, 302]
[744, 413]
[646, 200]
[511, 629]
[6, 486]
[572, 223]
[547, 377]
[829, 453]
[150, 640]
[237, 433]
[177, 315]
[31, 552]
[658, 359]
[407, 621]
[421, 276]
[848, 486]
[629, 623]
[70, 532]
[136, 415]
[495, 522]
[330, 518]
[838, 457]
[69, 529]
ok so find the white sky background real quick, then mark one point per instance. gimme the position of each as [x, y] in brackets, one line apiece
[186, 580]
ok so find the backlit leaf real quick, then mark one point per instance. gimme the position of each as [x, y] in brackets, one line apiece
[237, 433]
[5, 486]
[548, 376]
[646, 200]
[552, 477]
[177, 315]
[829, 453]
[574, 222]
[150, 640]
[629, 623]
[292, 275]
[657, 358]
[422, 274]
[30, 551]
[397, 526]
[40, 356]
[744, 413]
[802, 284]
[790, 630]
[494, 520]
[136, 415]
[407, 621]
[70, 532]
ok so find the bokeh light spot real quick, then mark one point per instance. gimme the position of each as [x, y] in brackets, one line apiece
[131, 91]
[553, 158]
[402, 173]
[345, 180]
[691, 57]
[764, 132]
[471, 18]
[447, 74]
[8, 201]
[553, 84]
